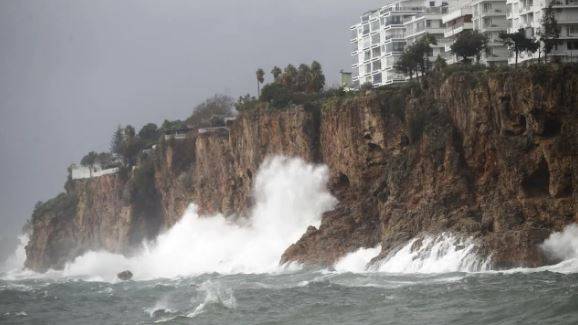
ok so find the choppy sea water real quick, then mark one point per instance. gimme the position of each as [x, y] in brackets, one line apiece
[304, 297]
[215, 270]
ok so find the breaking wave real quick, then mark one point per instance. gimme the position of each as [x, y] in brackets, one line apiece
[290, 195]
[429, 254]
[15, 262]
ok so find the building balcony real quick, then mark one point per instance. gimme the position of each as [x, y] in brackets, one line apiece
[493, 12]
[397, 36]
[455, 14]
[567, 18]
[569, 34]
[455, 30]
[565, 4]
[410, 34]
[493, 28]
[525, 9]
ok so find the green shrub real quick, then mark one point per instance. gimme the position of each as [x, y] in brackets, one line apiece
[276, 94]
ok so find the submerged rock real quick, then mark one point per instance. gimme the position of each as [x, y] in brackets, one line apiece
[125, 275]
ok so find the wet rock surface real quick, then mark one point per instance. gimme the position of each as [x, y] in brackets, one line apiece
[490, 155]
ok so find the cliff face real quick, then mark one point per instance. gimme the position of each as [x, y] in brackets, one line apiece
[488, 155]
[93, 214]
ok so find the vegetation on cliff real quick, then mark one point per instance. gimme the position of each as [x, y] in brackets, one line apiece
[487, 153]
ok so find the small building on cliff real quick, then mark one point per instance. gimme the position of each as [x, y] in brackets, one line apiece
[177, 134]
[222, 130]
[85, 172]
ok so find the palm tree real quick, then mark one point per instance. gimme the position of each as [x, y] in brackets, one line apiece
[317, 81]
[276, 72]
[260, 80]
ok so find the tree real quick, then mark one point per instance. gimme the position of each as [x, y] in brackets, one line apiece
[303, 78]
[469, 44]
[149, 134]
[276, 72]
[317, 80]
[220, 106]
[518, 42]
[89, 160]
[407, 63]
[415, 56]
[289, 76]
[131, 145]
[260, 79]
[440, 64]
[276, 94]
[421, 50]
[117, 141]
[550, 32]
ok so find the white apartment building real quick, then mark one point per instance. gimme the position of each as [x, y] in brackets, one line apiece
[380, 38]
[457, 20]
[528, 14]
[489, 18]
[429, 21]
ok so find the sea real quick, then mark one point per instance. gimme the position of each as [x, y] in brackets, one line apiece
[225, 270]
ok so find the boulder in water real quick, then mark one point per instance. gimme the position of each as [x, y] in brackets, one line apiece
[125, 275]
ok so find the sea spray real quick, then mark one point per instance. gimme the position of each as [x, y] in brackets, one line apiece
[358, 261]
[435, 254]
[214, 294]
[562, 246]
[16, 261]
[426, 254]
[290, 195]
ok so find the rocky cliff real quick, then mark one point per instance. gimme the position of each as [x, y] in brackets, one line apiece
[491, 155]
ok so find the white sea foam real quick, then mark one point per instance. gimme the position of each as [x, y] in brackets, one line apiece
[161, 308]
[440, 254]
[215, 294]
[561, 246]
[15, 262]
[429, 254]
[290, 195]
[358, 261]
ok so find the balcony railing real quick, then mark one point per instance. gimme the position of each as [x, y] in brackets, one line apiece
[455, 14]
[394, 36]
[451, 31]
[565, 3]
[497, 11]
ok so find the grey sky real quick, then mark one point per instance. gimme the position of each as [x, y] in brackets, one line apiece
[72, 70]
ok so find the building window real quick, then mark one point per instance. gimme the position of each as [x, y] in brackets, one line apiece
[375, 26]
[368, 68]
[572, 30]
[377, 78]
[572, 45]
[393, 20]
[376, 52]
[432, 4]
[394, 47]
[366, 55]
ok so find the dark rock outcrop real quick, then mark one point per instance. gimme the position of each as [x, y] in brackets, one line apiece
[125, 275]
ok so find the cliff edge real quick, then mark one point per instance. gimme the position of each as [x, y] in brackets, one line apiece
[485, 154]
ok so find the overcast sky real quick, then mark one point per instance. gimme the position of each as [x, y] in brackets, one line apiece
[72, 70]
